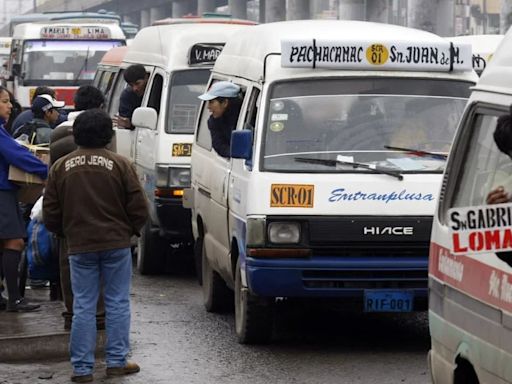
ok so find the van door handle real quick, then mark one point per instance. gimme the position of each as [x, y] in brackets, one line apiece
[204, 192]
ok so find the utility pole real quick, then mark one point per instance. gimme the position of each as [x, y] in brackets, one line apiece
[505, 15]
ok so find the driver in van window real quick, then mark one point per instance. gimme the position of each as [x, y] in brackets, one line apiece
[224, 103]
[131, 98]
[503, 139]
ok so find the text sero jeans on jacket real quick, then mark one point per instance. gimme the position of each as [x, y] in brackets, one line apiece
[113, 268]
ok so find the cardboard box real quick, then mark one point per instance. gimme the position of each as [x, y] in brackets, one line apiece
[31, 186]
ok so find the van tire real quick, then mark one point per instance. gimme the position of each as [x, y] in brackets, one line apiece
[254, 316]
[217, 297]
[151, 252]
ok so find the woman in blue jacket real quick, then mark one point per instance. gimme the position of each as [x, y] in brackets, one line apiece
[12, 226]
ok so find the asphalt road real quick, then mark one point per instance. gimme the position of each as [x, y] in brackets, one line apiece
[176, 341]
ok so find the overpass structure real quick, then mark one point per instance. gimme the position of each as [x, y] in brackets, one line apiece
[438, 16]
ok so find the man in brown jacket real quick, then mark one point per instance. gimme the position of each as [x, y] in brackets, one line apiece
[94, 199]
[62, 142]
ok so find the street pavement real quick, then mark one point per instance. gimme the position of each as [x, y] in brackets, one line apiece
[176, 341]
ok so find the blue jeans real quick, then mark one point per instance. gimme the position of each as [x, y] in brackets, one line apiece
[112, 268]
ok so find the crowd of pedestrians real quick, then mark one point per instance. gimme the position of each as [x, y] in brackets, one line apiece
[94, 236]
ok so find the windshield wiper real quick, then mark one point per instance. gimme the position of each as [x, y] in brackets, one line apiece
[418, 152]
[333, 163]
[82, 68]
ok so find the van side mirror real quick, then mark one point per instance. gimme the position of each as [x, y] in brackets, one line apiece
[144, 117]
[241, 144]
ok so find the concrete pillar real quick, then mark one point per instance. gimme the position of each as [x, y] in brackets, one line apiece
[262, 12]
[377, 10]
[184, 7]
[297, 10]
[157, 13]
[144, 18]
[238, 8]
[446, 18]
[352, 10]
[421, 14]
[275, 10]
[505, 15]
[205, 6]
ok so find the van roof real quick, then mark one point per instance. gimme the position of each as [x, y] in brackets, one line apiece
[203, 20]
[497, 77]
[168, 46]
[246, 52]
[114, 56]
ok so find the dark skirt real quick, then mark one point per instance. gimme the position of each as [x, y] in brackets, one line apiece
[12, 225]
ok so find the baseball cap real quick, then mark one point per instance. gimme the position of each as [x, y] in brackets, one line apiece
[45, 102]
[221, 89]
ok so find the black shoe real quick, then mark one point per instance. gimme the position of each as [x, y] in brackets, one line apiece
[21, 306]
[3, 304]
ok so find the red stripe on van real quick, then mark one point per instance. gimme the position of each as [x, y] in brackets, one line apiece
[471, 276]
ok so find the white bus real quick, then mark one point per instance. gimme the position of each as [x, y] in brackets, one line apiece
[5, 51]
[60, 55]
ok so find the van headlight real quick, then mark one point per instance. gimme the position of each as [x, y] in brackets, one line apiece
[283, 232]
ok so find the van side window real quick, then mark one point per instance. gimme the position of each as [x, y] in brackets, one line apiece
[156, 93]
[105, 82]
[119, 87]
[252, 110]
[213, 133]
[203, 133]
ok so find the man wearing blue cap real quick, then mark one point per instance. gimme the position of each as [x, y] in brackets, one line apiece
[224, 104]
[46, 114]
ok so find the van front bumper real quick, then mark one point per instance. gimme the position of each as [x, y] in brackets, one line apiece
[332, 277]
[174, 220]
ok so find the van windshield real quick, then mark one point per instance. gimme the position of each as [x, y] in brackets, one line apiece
[405, 125]
[63, 62]
[183, 104]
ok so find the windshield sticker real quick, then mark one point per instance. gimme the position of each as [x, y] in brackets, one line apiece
[279, 116]
[412, 56]
[349, 159]
[406, 163]
[276, 126]
[481, 229]
[292, 195]
[341, 194]
[182, 149]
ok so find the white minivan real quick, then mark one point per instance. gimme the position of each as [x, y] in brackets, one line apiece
[335, 167]
[470, 271]
[178, 58]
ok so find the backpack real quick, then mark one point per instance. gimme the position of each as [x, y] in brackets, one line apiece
[37, 132]
[41, 252]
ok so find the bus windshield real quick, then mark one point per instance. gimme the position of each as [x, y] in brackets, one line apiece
[405, 125]
[63, 62]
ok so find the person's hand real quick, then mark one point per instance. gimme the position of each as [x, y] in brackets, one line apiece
[497, 196]
[122, 122]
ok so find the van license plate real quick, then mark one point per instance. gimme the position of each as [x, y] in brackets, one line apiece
[388, 301]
